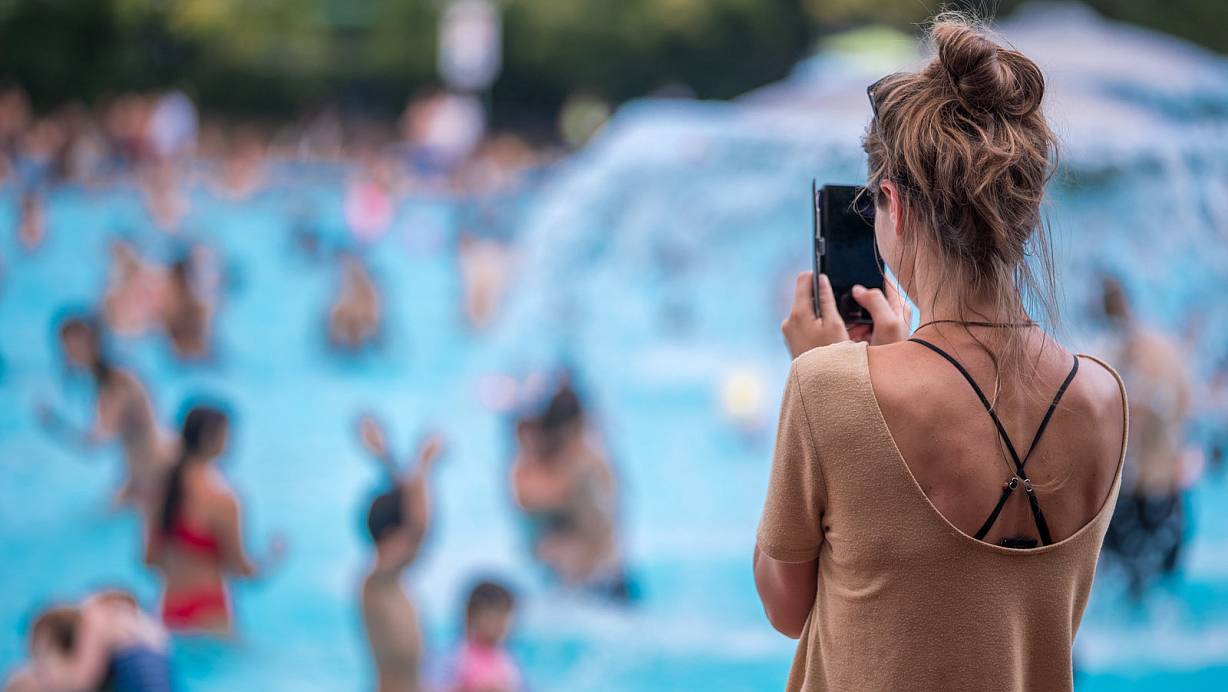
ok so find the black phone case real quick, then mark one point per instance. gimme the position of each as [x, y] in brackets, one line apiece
[816, 246]
[823, 213]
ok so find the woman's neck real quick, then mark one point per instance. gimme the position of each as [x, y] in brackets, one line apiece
[971, 314]
[936, 305]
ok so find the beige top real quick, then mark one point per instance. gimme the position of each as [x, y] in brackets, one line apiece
[905, 600]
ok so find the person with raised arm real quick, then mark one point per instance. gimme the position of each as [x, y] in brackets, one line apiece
[397, 522]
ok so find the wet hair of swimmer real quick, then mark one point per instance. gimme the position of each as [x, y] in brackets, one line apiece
[88, 328]
[386, 514]
[488, 595]
[59, 624]
[201, 428]
[563, 410]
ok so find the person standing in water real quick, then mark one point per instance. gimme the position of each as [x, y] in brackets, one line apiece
[936, 504]
[195, 539]
[123, 410]
[1148, 528]
[132, 302]
[561, 479]
[483, 663]
[397, 522]
[356, 314]
[484, 265]
[186, 317]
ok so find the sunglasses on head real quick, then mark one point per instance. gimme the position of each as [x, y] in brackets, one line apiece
[870, 93]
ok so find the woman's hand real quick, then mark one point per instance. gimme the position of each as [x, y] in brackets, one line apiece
[892, 317]
[804, 330]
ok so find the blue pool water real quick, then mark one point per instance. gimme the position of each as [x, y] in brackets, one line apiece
[657, 262]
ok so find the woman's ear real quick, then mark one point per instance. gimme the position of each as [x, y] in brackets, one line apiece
[894, 205]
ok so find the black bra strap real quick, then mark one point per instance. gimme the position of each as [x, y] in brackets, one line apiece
[1074, 370]
[1042, 527]
[1010, 447]
[997, 509]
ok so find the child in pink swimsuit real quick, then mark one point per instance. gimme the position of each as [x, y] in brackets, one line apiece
[482, 663]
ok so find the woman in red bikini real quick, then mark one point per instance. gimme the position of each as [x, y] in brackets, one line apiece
[195, 540]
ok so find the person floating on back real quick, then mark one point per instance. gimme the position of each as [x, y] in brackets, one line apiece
[397, 522]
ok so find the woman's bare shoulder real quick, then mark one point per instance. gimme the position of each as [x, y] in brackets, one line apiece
[1099, 393]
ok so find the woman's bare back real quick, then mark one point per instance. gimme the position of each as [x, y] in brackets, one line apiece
[952, 448]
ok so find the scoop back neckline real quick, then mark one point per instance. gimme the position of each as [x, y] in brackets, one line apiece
[889, 437]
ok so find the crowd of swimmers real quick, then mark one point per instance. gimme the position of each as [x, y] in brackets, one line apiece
[157, 143]
[560, 478]
[192, 533]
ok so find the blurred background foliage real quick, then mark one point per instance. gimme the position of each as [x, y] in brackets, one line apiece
[281, 57]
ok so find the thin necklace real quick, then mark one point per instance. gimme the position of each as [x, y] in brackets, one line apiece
[970, 323]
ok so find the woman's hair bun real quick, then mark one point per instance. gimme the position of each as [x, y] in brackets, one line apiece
[985, 76]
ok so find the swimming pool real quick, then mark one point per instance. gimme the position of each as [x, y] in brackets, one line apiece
[656, 262]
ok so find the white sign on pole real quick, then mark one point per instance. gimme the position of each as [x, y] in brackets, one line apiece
[470, 45]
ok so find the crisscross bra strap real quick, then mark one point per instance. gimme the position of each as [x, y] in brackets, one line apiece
[1020, 477]
[1010, 447]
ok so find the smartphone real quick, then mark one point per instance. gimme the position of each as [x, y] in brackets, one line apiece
[844, 247]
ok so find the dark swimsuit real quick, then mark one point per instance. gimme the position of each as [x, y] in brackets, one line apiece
[139, 668]
[1019, 477]
[1146, 537]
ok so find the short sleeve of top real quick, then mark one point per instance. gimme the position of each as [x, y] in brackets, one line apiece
[791, 529]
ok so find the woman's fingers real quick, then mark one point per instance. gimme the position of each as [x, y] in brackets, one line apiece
[803, 297]
[887, 310]
[802, 329]
[828, 311]
[875, 303]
